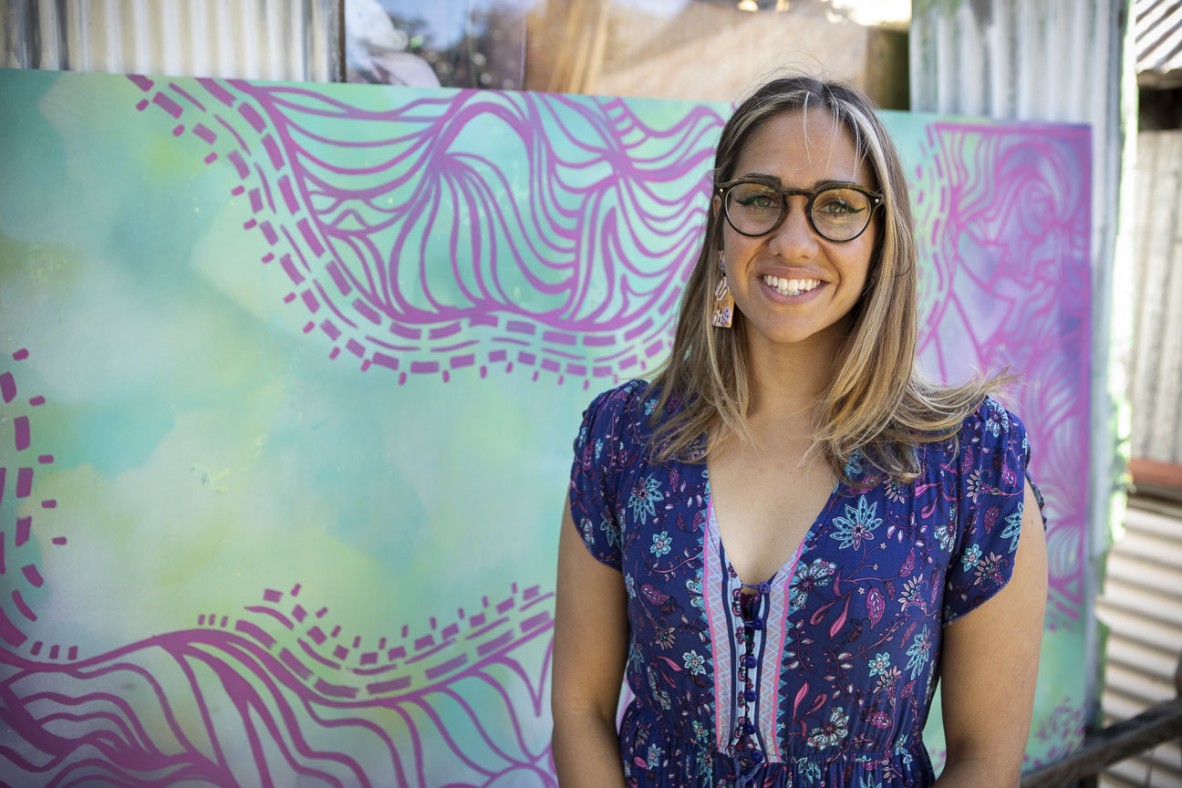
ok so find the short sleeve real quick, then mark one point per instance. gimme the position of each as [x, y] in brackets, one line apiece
[992, 465]
[595, 473]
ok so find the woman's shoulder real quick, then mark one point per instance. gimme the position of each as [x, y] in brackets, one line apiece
[992, 423]
[989, 428]
[625, 400]
[618, 412]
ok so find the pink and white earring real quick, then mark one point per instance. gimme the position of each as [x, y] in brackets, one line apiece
[724, 303]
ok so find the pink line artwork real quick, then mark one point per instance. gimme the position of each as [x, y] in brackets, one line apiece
[452, 233]
[470, 229]
[19, 558]
[1007, 285]
[228, 703]
[273, 694]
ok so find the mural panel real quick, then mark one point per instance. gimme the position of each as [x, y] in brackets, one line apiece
[289, 376]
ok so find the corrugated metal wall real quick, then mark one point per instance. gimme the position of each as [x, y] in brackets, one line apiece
[1156, 374]
[1158, 40]
[1142, 604]
[250, 39]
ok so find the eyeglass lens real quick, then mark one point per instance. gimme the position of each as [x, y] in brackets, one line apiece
[837, 213]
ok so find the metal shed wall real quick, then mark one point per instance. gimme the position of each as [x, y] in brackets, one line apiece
[1142, 603]
[1156, 374]
[1157, 38]
[251, 39]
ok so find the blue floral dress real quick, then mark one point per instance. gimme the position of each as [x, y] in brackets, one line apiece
[823, 674]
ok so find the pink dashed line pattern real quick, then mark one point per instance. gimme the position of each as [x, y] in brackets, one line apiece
[20, 550]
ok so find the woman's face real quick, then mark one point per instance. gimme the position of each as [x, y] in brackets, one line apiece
[792, 285]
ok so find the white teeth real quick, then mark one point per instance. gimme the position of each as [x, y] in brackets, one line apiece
[790, 287]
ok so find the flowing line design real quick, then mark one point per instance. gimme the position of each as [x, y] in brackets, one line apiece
[552, 232]
[275, 695]
[245, 701]
[1008, 283]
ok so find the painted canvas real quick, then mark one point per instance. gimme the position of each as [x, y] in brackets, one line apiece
[289, 377]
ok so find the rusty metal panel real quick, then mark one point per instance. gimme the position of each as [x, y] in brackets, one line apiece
[253, 39]
[1156, 373]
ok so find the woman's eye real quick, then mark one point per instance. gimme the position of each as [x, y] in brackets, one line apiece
[837, 206]
[759, 201]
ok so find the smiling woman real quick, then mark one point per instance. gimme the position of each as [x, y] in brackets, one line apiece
[788, 535]
[815, 236]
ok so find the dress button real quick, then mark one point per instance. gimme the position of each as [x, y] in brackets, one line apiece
[750, 661]
[757, 757]
[757, 623]
[748, 728]
[750, 696]
[764, 588]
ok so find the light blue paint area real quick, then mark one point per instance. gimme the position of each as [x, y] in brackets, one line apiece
[34, 139]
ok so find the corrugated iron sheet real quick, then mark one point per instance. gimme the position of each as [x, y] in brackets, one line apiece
[1142, 606]
[253, 39]
[1156, 370]
[1157, 41]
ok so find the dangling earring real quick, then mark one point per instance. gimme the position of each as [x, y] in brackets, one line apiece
[724, 302]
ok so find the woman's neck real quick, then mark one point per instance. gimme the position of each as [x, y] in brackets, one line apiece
[787, 381]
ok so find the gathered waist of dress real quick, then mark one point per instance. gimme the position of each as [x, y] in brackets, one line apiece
[657, 751]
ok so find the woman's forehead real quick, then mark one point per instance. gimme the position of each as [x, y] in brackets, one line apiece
[803, 143]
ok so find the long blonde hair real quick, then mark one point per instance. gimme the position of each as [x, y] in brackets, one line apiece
[876, 405]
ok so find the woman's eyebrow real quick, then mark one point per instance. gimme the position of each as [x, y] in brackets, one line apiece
[762, 176]
[816, 184]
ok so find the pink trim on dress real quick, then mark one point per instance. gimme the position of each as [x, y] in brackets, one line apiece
[775, 631]
[717, 608]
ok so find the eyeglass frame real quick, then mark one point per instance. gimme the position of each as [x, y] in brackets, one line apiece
[723, 190]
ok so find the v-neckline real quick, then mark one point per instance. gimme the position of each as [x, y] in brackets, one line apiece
[756, 644]
[786, 570]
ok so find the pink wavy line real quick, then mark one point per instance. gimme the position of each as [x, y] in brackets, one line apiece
[456, 174]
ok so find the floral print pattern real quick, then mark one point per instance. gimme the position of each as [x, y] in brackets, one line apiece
[917, 652]
[694, 662]
[880, 663]
[644, 498]
[807, 578]
[830, 733]
[822, 674]
[858, 524]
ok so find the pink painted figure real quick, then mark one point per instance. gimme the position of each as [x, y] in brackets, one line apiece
[787, 536]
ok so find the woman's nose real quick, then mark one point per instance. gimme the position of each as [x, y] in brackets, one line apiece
[795, 236]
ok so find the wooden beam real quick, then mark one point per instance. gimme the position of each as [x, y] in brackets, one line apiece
[1121, 740]
[1164, 474]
